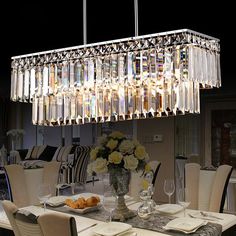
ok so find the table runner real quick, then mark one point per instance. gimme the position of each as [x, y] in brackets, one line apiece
[154, 223]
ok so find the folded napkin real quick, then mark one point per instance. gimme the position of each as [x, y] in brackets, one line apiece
[57, 200]
[169, 208]
[185, 225]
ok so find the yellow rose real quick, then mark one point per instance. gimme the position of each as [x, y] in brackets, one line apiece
[140, 152]
[102, 140]
[100, 165]
[117, 134]
[93, 154]
[112, 144]
[131, 162]
[126, 147]
[115, 157]
[145, 184]
[90, 169]
[147, 168]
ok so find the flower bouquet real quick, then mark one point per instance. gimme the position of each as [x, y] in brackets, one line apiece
[115, 151]
[118, 155]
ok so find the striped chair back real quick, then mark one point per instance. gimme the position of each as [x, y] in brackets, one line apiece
[81, 162]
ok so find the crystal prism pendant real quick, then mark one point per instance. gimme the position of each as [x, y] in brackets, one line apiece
[35, 111]
[32, 83]
[107, 104]
[47, 110]
[130, 102]
[122, 105]
[65, 76]
[45, 80]
[67, 114]
[114, 104]
[53, 110]
[20, 85]
[59, 78]
[26, 85]
[138, 102]
[14, 84]
[79, 107]
[73, 109]
[93, 106]
[72, 74]
[60, 109]
[52, 80]
[100, 105]
[86, 106]
[41, 111]
[39, 81]
[78, 75]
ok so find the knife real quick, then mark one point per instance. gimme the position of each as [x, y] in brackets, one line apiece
[87, 228]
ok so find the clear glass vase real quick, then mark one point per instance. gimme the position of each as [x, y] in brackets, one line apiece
[120, 179]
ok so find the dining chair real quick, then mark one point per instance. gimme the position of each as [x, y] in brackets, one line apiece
[51, 175]
[207, 188]
[137, 179]
[54, 224]
[21, 224]
[17, 185]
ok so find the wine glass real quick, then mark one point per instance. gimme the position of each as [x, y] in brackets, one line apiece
[182, 198]
[44, 193]
[109, 202]
[169, 188]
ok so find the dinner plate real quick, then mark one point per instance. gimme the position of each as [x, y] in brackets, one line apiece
[169, 208]
[111, 228]
[84, 210]
[56, 200]
[185, 225]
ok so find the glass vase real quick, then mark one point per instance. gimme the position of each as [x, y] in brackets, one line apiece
[120, 179]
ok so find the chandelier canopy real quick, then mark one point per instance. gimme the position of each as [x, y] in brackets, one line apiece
[141, 77]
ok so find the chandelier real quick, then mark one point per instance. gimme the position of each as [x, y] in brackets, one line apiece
[141, 77]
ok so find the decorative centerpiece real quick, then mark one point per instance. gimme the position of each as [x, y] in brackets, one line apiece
[118, 155]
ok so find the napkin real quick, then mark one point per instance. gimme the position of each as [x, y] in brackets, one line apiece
[169, 208]
[185, 225]
[56, 201]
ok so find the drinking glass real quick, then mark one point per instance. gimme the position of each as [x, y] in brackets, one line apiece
[182, 198]
[109, 202]
[44, 193]
[169, 188]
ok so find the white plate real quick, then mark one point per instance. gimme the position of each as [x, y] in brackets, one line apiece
[185, 225]
[84, 210]
[56, 201]
[111, 228]
[169, 208]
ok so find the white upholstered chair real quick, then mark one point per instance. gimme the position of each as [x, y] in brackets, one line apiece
[17, 184]
[207, 188]
[55, 224]
[20, 227]
[51, 174]
[47, 224]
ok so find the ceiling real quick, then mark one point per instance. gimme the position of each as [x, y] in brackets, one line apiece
[37, 26]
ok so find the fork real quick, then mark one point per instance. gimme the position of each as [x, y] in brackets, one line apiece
[209, 215]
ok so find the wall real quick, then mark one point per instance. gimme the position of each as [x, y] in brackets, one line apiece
[162, 151]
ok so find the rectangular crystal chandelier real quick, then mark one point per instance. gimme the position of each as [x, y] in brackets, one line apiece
[141, 77]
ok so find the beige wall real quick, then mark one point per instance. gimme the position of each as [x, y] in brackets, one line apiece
[161, 151]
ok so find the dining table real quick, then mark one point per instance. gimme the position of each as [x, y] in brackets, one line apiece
[86, 222]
